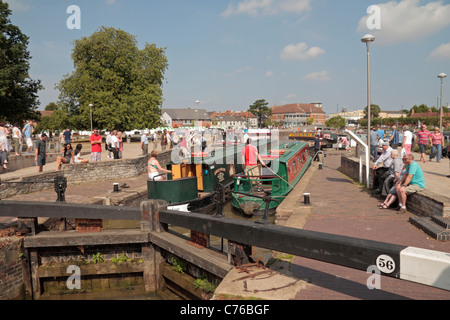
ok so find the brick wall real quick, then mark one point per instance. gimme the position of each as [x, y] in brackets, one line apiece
[425, 202]
[11, 271]
[350, 167]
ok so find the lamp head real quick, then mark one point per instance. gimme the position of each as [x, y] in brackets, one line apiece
[442, 75]
[368, 38]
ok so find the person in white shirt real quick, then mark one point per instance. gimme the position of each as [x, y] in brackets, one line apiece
[144, 143]
[382, 173]
[115, 144]
[108, 144]
[407, 141]
[17, 139]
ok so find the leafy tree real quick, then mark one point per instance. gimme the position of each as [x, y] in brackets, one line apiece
[18, 93]
[51, 107]
[123, 83]
[261, 110]
[374, 111]
[336, 122]
[423, 108]
[56, 122]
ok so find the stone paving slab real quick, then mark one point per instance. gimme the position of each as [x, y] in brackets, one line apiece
[341, 206]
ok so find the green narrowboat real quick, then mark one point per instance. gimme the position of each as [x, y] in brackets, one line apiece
[285, 167]
[192, 185]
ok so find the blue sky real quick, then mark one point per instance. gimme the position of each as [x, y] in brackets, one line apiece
[229, 53]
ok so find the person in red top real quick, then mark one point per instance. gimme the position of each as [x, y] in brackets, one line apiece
[250, 158]
[96, 146]
[423, 136]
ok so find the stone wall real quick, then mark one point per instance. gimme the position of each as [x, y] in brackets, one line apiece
[24, 161]
[11, 269]
[78, 173]
[424, 203]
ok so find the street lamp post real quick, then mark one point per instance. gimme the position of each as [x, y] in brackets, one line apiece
[90, 107]
[367, 39]
[441, 76]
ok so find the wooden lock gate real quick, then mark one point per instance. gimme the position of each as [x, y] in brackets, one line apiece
[403, 262]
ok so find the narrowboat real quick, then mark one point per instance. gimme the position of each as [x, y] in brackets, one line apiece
[192, 185]
[328, 138]
[285, 167]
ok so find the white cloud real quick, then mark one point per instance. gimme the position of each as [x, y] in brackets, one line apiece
[300, 51]
[110, 2]
[239, 71]
[441, 52]
[269, 74]
[267, 7]
[18, 5]
[291, 96]
[317, 76]
[407, 20]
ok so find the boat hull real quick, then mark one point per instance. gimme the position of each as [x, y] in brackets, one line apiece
[285, 169]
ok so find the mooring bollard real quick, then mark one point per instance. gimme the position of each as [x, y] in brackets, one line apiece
[306, 198]
[116, 187]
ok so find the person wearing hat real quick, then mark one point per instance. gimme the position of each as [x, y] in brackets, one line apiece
[407, 140]
[382, 172]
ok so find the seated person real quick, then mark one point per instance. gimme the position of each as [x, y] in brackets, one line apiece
[392, 193]
[67, 156]
[154, 168]
[393, 173]
[77, 154]
[412, 182]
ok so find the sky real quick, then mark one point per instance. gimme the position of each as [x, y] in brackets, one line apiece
[227, 54]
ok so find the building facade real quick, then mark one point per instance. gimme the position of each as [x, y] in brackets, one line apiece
[297, 114]
[185, 118]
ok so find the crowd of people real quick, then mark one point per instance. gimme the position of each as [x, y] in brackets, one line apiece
[14, 138]
[397, 174]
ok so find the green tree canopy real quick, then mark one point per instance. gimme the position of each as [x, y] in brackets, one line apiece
[423, 108]
[18, 93]
[261, 110]
[56, 122]
[123, 83]
[51, 107]
[374, 111]
[336, 122]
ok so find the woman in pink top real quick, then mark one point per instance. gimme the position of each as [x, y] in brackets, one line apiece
[437, 142]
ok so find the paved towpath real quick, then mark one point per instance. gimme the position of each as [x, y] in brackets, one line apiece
[342, 207]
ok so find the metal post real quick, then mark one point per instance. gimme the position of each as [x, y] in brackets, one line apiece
[368, 95]
[441, 76]
[90, 107]
[367, 39]
[60, 188]
[220, 201]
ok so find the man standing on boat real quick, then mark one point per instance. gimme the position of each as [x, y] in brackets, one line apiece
[250, 158]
